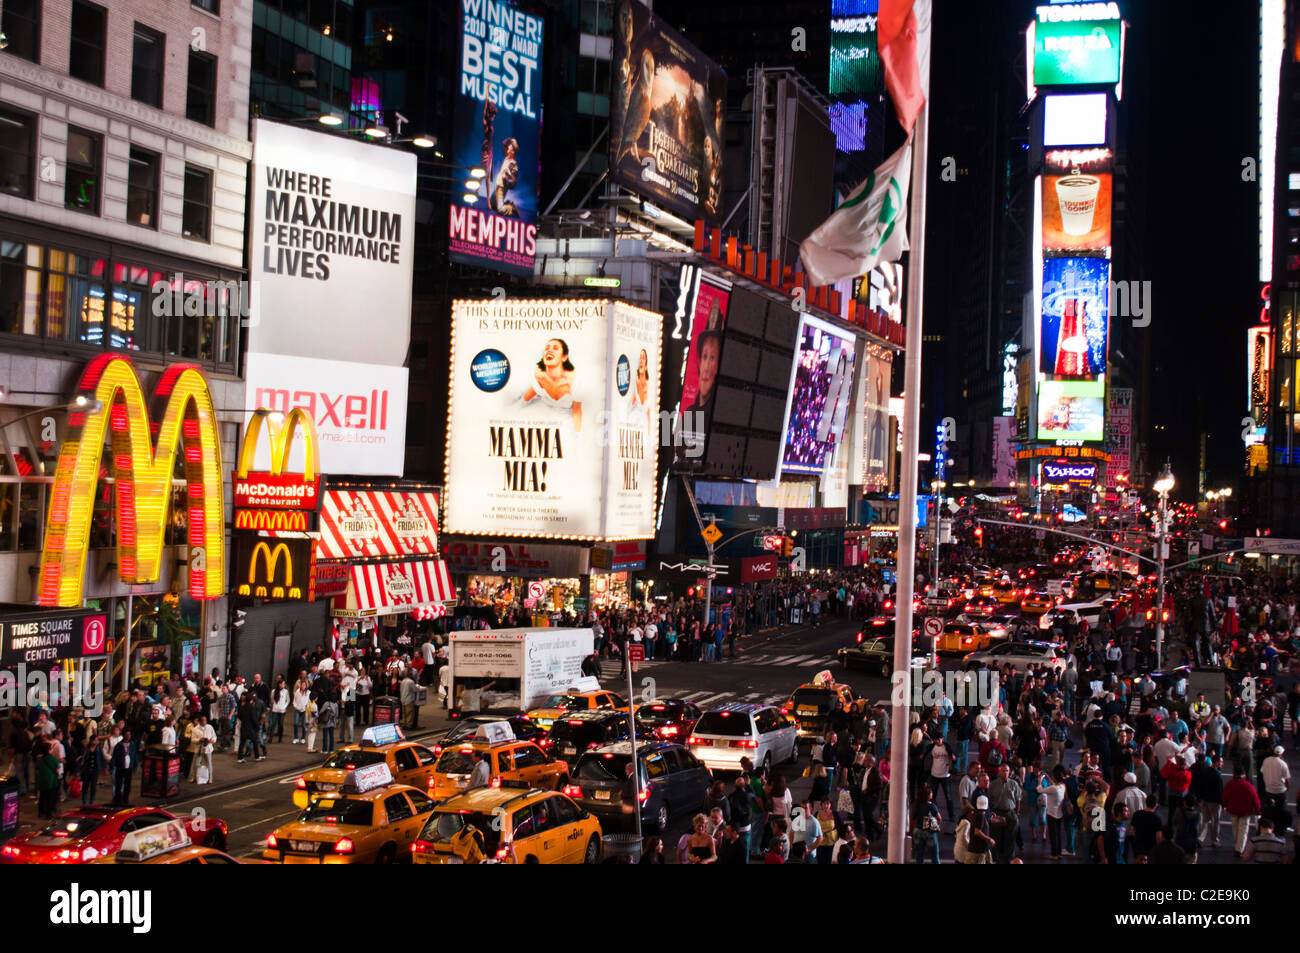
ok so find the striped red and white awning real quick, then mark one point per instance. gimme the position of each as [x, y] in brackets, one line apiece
[390, 588]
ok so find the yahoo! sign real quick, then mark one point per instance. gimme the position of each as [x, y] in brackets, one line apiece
[1069, 472]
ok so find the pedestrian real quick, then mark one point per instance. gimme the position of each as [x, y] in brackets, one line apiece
[123, 760]
[279, 705]
[47, 780]
[1241, 801]
[328, 719]
[301, 696]
[365, 686]
[1266, 847]
[927, 822]
[1207, 786]
[311, 720]
[407, 697]
[202, 741]
[251, 710]
[1277, 778]
[1058, 808]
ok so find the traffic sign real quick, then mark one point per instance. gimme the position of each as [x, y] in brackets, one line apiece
[636, 652]
[933, 626]
[1055, 587]
[537, 590]
[711, 533]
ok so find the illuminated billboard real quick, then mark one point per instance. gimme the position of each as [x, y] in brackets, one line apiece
[1076, 52]
[1076, 308]
[666, 115]
[1258, 364]
[856, 77]
[1060, 472]
[498, 117]
[818, 401]
[1071, 410]
[553, 421]
[1074, 119]
[1076, 200]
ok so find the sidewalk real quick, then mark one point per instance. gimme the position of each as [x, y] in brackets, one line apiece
[281, 758]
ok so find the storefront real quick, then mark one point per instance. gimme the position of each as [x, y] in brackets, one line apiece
[500, 576]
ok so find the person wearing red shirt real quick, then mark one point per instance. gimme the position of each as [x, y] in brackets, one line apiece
[1241, 801]
[987, 748]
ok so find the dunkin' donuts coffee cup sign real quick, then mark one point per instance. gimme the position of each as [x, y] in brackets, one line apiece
[1076, 211]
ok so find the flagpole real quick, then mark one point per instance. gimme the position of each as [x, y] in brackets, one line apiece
[900, 726]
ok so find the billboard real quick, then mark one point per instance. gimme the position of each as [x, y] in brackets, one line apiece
[46, 638]
[820, 390]
[1070, 52]
[1258, 363]
[359, 409]
[1066, 472]
[708, 319]
[877, 448]
[1071, 410]
[360, 523]
[1076, 309]
[333, 239]
[856, 77]
[1074, 119]
[666, 114]
[498, 115]
[553, 426]
[1119, 427]
[1076, 200]
[144, 463]
[1004, 451]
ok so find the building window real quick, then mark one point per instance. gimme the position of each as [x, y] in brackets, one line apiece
[212, 6]
[201, 88]
[196, 214]
[86, 55]
[21, 23]
[20, 288]
[17, 136]
[147, 66]
[142, 188]
[81, 189]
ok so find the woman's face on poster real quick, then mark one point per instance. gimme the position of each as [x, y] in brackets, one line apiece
[553, 354]
[708, 369]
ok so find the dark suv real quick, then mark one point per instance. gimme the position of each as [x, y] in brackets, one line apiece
[580, 731]
[673, 782]
[667, 719]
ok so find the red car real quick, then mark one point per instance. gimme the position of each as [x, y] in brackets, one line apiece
[82, 835]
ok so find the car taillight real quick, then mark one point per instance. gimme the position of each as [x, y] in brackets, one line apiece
[455, 715]
[300, 784]
[271, 842]
[785, 711]
[594, 744]
[575, 723]
[643, 796]
[572, 790]
[344, 845]
[859, 640]
[503, 853]
[431, 784]
[966, 641]
[437, 750]
[10, 851]
[421, 847]
[496, 782]
[749, 743]
[692, 740]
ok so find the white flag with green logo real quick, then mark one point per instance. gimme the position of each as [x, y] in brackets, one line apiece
[869, 227]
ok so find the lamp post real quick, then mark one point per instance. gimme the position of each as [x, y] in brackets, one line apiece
[1164, 483]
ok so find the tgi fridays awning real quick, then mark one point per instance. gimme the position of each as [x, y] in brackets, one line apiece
[390, 588]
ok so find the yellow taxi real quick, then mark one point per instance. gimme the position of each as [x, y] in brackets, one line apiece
[165, 843]
[963, 637]
[582, 697]
[509, 826]
[811, 705]
[409, 762]
[371, 820]
[508, 759]
[1036, 602]
[1007, 592]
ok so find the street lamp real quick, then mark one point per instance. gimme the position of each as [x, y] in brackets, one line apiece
[1164, 483]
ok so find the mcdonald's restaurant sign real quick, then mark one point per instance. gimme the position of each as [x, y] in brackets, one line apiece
[144, 458]
[273, 569]
[277, 500]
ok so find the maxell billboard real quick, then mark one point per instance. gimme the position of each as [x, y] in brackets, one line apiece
[498, 129]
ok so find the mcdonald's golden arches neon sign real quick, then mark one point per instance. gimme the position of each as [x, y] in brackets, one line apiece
[144, 458]
[270, 558]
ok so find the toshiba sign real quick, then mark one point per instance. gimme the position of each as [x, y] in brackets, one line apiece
[359, 409]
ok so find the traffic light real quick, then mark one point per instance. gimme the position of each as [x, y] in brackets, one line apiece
[979, 535]
[1223, 525]
[787, 546]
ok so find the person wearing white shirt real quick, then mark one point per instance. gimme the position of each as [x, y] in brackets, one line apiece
[651, 632]
[169, 735]
[301, 695]
[1277, 777]
[202, 739]
[348, 698]
[279, 705]
[1165, 749]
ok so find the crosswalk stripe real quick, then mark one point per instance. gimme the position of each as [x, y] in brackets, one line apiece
[694, 697]
[713, 699]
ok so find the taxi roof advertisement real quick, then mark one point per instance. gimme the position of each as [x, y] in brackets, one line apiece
[498, 129]
[554, 422]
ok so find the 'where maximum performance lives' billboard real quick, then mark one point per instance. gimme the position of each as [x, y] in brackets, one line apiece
[665, 116]
[498, 129]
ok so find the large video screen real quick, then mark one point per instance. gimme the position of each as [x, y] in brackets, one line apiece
[1071, 410]
[1076, 309]
[820, 389]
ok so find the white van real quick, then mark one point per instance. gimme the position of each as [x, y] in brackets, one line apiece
[1073, 612]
